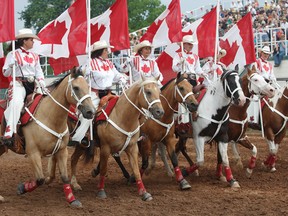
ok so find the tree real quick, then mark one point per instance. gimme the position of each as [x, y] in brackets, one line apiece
[39, 12]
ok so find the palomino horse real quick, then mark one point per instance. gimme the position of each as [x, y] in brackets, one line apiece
[275, 116]
[252, 84]
[121, 130]
[212, 121]
[48, 134]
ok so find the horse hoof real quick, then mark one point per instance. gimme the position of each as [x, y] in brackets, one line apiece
[196, 173]
[249, 173]
[20, 189]
[234, 184]
[48, 180]
[76, 204]
[76, 187]
[184, 185]
[2, 200]
[101, 194]
[147, 197]
[273, 169]
[222, 178]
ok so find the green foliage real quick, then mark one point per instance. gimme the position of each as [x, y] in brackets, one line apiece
[141, 13]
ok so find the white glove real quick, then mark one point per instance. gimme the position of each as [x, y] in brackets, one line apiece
[12, 62]
[42, 83]
[182, 60]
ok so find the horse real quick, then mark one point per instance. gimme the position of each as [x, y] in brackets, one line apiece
[154, 132]
[177, 90]
[252, 84]
[120, 131]
[212, 121]
[47, 133]
[275, 116]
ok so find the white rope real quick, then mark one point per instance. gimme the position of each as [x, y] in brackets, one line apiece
[242, 123]
[58, 135]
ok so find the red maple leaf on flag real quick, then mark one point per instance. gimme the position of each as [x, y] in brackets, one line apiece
[231, 51]
[145, 68]
[190, 60]
[96, 32]
[28, 59]
[53, 34]
[105, 67]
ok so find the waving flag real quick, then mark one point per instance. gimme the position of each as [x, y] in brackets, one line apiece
[7, 23]
[111, 26]
[166, 29]
[4, 81]
[239, 44]
[204, 31]
[59, 38]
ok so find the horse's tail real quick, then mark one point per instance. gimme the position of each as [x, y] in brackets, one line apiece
[89, 152]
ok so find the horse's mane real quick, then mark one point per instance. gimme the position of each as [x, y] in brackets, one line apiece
[166, 84]
[179, 79]
[56, 82]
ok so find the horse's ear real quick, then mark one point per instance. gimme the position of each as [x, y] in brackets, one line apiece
[157, 78]
[254, 68]
[178, 75]
[143, 77]
[236, 68]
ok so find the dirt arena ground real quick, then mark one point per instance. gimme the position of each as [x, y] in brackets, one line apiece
[264, 194]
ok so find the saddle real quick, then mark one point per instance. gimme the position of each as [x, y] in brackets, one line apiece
[17, 143]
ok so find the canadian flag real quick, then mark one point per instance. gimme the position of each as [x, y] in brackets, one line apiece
[4, 81]
[59, 38]
[166, 29]
[239, 44]
[111, 26]
[7, 23]
[204, 31]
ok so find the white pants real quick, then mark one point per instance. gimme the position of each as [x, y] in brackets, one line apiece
[85, 123]
[16, 102]
[183, 116]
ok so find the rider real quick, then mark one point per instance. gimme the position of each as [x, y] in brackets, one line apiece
[265, 69]
[27, 70]
[141, 63]
[102, 75]
[188, 62]
[213, 70]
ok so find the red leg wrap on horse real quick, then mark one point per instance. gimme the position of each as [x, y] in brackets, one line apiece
[219, 170]
[229, 175]
[267, 162]
[272, 160]
[192, 169]
[141, 188]
[101, 183]
[68, 193]
[252, 162]
[178, 174]
[30, 186]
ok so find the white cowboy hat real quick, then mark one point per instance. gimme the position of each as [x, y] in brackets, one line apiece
[26, 33]
[189, 39]
[265, 49]
[142, 44]
[222, 53]
[100, 45]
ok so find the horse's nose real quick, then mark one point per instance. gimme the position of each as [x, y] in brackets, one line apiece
[158, 113]
[193, 107]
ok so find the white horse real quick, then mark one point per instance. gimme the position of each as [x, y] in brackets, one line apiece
[213, 118]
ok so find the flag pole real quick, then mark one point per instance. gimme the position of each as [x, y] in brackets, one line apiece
[217, 31]
[89, 56]
[13, 88]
